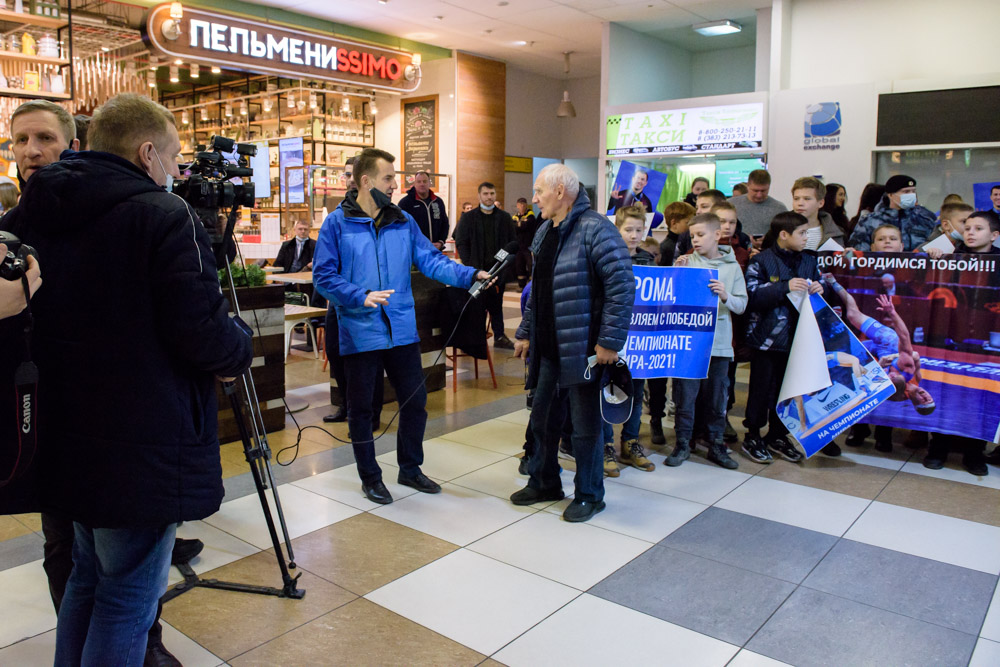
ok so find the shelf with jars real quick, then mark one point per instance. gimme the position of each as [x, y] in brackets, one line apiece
[34, 51]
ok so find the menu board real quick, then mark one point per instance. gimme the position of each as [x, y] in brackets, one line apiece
[420, 134]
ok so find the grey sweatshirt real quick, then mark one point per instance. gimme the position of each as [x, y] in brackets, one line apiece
[731, 276]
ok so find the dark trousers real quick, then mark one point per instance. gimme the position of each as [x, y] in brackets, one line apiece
[732, 386]
[709, 395]
[337, 366]
[402, 366]
[584, 403]
[767, 370]
[657, 397]
[493, 302]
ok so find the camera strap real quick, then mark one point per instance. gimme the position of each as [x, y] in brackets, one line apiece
[26, 386]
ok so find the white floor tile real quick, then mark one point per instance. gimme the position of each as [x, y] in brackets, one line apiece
[457, 515]
[578, 555]
[991, 627]
[502, 479]
[521, 417]
[893, 461]
[691, 481]
[987, 654]
[221, 548]
[25, 605]
[446, 460]
[953, 472]
[495, 435]
[38, 650]
[747, 658]
[474, 600]
[639, 513]
[189, 652]
[304, 512]
[955, 541]
[343, 485]
[796, 505]
[592, 631]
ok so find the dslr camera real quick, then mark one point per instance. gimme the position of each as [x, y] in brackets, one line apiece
[14, 264]
[210, 189]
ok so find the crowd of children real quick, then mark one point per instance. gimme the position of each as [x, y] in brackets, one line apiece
[756, 322]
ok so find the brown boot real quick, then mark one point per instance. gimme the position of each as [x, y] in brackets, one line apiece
[633, 455]
[610, 462]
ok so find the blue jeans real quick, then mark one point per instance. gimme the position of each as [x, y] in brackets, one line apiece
[584, 403]
[111, 598]
[363, 371]
[710, 395]
[630, 429]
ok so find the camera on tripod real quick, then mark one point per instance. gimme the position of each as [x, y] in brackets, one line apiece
[14, 264]
[210, 189]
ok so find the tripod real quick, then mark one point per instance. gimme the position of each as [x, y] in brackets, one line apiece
[258, 455]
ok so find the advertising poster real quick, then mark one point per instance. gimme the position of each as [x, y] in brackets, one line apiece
[831, 382]
[735, 127]
[290, 155]
[934, 326]
[673, 322]
[636, 185]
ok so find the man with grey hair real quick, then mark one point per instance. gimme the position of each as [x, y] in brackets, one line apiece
[127, 359]
[580, 305]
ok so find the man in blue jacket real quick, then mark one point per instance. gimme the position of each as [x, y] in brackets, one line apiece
[362, 265]
[580, 305]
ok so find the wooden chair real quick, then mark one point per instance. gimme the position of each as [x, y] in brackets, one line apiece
[454, 355]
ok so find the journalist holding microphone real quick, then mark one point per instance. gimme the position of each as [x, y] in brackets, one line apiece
[362, 265]
[130, 332]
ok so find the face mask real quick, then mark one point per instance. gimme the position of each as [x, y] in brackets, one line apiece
[487, 208]
[380, 198]
[956, 235]
[908, 200]
[169, 185]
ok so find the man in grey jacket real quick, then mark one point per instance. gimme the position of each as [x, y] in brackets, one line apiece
[580, 305]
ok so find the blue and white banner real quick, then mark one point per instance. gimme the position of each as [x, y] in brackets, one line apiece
[673, 322]
[832, 380]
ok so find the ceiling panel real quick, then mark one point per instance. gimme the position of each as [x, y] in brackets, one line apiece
[500, 9]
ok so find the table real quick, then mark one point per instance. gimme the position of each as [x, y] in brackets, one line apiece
[271, 269]
[297, 315]
[300, 278]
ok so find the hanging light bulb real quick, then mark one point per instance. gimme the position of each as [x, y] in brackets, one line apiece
[185, 119]
[291, 100]
[178, 62]
[312, 99]
[228, 110]
[243, 108]
[151, 79]
[176, 11]
[268, 104]
[174, 75]
[195, 71]
[345, 106]
[204, 114]
[154, 63]
[372, 106]
[216, 70]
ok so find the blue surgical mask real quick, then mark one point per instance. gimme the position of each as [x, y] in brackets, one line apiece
[169, 185]
[908, 200]
[956, 235]
[487, 208]
[380, 198]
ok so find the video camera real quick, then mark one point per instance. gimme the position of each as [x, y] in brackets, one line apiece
[14, 264]
[209, 189]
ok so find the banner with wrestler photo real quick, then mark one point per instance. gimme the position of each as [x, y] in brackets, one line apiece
[934, 326]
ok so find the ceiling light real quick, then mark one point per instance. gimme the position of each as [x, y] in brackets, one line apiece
[438, 18]
[713, 28]
[268, 104]
[174, 76]
[151, 79]
[520, 42]
[291, 100]
[154, 63]
[415, 60]
[195, 72]
[216, 70]
[204, 114]
[178, 62]
[185, 120]
[313, 103]
[383, 2]
[176, 11]
[228, 110]
[372, 106]
[566, 108]
[345, 106]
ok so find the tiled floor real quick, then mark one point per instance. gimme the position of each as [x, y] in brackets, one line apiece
[869, 559]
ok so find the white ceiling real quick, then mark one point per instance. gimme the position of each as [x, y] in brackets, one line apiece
[492, 27]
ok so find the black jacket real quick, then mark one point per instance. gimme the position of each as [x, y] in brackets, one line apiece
[131, 329]
[771, 316]
[470, 239]
[286, 254]
[430, 214]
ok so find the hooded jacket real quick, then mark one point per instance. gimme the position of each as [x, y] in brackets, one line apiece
[354, 257]
[131, 329]
[915, 226]
[593, 291]
[430, 214]
[772, 320]
[731, 276]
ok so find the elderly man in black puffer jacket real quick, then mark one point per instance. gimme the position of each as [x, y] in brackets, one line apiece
[131, 329]
[580, 305]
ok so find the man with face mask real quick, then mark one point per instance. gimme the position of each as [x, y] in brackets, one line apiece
[362, 265]
[898, 208]
[130, 332]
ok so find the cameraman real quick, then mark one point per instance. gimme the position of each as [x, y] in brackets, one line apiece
[129, 334]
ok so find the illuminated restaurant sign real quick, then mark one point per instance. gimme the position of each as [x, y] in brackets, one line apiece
[243, 44]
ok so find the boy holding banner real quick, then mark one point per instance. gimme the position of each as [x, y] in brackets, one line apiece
[710, 393]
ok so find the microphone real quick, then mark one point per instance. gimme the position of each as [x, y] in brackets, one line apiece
[503, 257]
